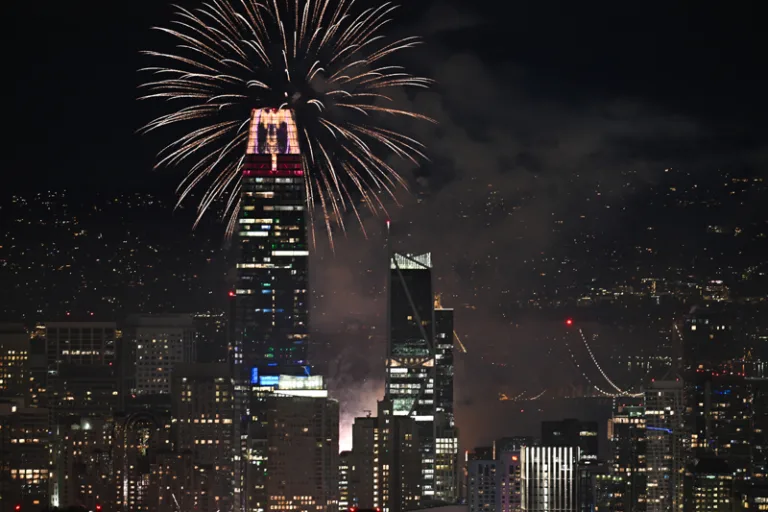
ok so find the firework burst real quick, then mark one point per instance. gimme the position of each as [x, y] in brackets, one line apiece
[328, 64]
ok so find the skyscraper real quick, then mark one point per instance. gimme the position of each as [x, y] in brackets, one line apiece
[709, 486]
[303, 440]
[400, 453]
[719, 411]
[270, 299]
[482, 485]
[268, 328]
[664, 445]
[446, 433]
[202, 425]
[549, 478]
[626, 434]
[154, 344]
[410, 377]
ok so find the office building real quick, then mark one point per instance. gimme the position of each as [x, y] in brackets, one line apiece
[385, 463]
[665, 435]
[82, 462]
[446, 461]
[202, 424]
[211, 344]
[79, 343]
[24, 456]
[709, 486]
[83, 390]
[81, 374]
[400, 460]
[719, 413]
[303, 443]
[444, 370]
[573, 433]
[482, 485]
[509, 491]
[366, 481]
[152, 346]
[346, 467]
[626, 435]
[446, 466]
[410, 369]
[271, 303]
[14, 361]
[549, 478]
[595, 489]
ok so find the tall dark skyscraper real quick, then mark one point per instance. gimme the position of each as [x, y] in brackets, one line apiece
[271, 309]
[410, 378]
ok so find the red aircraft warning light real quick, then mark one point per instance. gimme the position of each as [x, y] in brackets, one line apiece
[231, 293]
[569, 322]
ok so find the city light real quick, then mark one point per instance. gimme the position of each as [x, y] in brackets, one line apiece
[569, 322]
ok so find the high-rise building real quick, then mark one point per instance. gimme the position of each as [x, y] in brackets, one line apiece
[549, 478]
[400, 462]
[595, 489]
[82, 462]
[203, 403]
[446, 480]
[24, 456]
[626, 435]
[410, 372]
[152, 346]
[81, 373]
[482, 485]
[665, 436]
[718, 415]
[14, 361]
[571, 432]
[271, 310]
[709, 486]
[366, 465]
[444, 370]
[303, 443]
[211, 337]
[385, 463]
[269, 320]
[346, 466]
[509, 491]
[79, 343]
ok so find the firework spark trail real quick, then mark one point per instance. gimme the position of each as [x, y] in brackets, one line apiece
[324, 61]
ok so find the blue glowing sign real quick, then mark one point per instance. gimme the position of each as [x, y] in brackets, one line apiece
[254, 375]
[269, 380]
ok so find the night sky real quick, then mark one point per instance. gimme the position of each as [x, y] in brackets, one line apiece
[545, 73]
[548, 110]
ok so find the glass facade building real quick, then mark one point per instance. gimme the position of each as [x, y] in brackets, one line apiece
[270, 300]
[410, 378]
[549, 478]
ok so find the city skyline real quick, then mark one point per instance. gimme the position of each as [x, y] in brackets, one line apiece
[568, 305]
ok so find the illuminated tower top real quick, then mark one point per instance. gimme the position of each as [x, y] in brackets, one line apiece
[271, 309]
